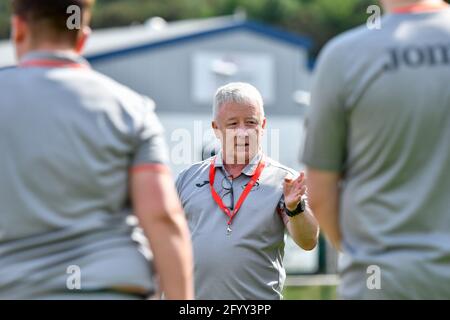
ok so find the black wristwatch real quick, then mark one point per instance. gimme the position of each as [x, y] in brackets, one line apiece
[301, 207]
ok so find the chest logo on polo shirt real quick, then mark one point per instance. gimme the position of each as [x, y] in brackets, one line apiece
[255, 187]
[204, 183]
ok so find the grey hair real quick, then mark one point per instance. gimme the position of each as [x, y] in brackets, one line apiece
[237, 92]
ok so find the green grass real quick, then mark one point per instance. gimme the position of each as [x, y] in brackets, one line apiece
[310, 293]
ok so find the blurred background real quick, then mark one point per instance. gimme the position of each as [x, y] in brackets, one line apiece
[319, 19]
[178, 52]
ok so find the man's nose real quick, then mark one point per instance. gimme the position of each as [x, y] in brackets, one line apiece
[242, 132]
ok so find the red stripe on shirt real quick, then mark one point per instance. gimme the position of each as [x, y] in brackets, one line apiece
[154, 167]
[52, 64]
[422, 7]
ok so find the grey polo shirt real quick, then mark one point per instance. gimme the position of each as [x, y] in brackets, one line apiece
[68, 138]
[247, 264]
[380, 116]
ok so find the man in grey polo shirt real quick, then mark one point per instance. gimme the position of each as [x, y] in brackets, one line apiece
[234, 204]
[74, 147]
[378, 153]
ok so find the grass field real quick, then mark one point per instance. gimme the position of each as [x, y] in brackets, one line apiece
[310, 293]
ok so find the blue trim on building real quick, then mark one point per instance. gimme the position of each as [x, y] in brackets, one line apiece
[278, 34]
[258, 28]
[311, 64]
[7, 68]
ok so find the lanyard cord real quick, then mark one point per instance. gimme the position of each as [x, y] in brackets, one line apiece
[245, 193]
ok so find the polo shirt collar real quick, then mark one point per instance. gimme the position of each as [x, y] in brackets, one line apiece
[249, 169]
[58, 56]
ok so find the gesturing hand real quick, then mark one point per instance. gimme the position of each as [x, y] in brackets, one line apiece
[294, 190]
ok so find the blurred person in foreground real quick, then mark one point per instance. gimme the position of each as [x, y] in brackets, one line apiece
[378, 153]
[75, 146]
[239, 204]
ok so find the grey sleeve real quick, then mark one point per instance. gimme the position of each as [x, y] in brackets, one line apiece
[151, 146]
[326, 122]
[179, 182]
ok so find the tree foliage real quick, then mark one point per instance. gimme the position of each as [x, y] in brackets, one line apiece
[318, 19]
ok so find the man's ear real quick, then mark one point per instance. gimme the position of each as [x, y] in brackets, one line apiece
[19, 29]
[264, 123]
[83, 36]
[215, 127]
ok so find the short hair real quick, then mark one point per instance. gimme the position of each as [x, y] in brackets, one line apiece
[237, 92]
[48, 18]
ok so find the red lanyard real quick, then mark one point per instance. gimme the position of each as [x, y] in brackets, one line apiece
[248, 188]
[424, 7]
[52, 64]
